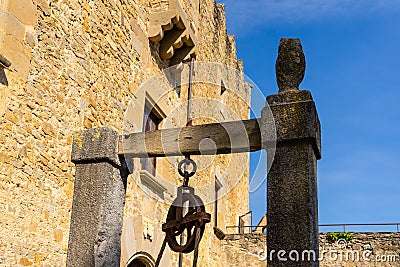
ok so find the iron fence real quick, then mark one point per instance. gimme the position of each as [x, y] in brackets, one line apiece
[253, 228]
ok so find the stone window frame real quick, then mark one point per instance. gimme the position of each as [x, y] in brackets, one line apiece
[218, 181]
[150, 116]
[148, 179]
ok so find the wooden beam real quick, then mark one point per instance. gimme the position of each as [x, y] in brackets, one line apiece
[227, 137]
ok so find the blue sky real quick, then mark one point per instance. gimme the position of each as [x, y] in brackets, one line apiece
[352, 52]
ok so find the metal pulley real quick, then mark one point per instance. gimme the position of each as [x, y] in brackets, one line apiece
[186, 217]
[192, 224]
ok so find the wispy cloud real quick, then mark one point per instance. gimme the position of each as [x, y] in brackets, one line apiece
[245, 13]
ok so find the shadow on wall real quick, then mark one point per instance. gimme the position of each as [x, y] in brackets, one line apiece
[3, 92]
[3, 78]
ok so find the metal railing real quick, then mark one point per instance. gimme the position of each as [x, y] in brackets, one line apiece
[344, 225]
[241, 227]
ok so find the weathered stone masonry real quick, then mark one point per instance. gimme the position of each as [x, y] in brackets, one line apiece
[246, 250]
[75, 65]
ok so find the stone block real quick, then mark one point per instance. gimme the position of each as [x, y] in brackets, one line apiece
[43, 5]
[24, 11]
[17, 53]
[296, 117]
[12, 117]
[95, 144]
[138, 38]
[9, 24]
[30, 37]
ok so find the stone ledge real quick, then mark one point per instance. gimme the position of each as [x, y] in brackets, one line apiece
[150, 181]
[99, 144]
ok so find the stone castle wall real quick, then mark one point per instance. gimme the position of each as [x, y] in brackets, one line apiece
[366, 249]
[75, 65]
[378, 250]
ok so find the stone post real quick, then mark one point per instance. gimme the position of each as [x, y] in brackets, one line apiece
[292, 208]
[99, 199]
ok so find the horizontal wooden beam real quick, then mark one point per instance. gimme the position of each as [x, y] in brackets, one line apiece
[207, 139]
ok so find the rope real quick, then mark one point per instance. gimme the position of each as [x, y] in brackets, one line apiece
[196, 245]
[160, 254]
[196, 249]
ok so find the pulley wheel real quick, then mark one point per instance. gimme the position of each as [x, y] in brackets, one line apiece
[175, 213]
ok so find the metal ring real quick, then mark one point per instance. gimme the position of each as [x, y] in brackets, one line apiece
[187, 162]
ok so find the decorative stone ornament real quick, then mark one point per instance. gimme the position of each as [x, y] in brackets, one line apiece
[290, 64]
[175, 32]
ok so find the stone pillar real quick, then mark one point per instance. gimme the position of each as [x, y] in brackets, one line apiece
[292, 207]
[99, 199]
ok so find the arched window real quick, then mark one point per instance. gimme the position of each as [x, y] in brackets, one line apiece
[141, 260]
